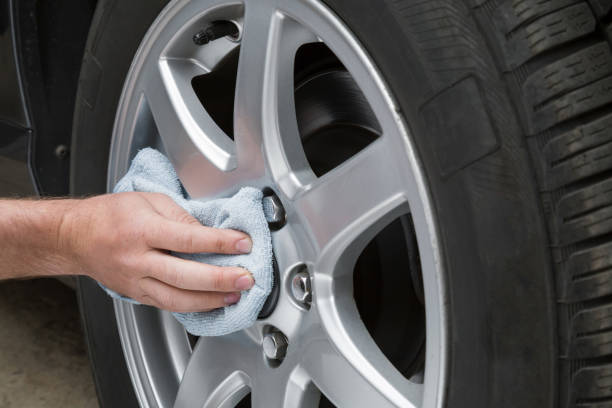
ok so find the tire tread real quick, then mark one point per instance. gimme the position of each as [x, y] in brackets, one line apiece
[557, 60]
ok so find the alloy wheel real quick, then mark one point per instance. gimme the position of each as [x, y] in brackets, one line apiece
[335, 203]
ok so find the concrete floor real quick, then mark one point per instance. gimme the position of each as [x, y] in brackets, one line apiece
[43, 361]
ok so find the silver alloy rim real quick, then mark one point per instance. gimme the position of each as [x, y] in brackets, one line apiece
[330, 218]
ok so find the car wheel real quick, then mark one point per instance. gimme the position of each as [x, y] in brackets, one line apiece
[443, 167]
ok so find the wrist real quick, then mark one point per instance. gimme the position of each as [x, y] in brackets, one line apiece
[33, 239]
[65, 234]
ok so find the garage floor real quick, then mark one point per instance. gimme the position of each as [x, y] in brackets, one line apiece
[43, 361]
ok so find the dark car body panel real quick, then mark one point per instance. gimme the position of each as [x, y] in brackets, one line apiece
[15, 128]
[41, 48]
[12, 104]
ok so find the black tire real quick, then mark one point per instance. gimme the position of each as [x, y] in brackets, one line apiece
[509, 103]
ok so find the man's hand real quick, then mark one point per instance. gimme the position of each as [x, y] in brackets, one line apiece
[123, 241]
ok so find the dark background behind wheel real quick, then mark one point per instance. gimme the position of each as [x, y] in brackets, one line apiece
[508, 103]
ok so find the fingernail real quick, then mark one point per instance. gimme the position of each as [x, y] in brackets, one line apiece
[244, 245]
[231, 298]
[244, 282]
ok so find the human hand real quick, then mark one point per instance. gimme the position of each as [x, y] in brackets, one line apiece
[123, 241]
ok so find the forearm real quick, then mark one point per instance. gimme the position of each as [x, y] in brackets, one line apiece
[125, 242]
[31, 238]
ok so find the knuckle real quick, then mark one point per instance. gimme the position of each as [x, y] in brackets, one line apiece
[184, 217]
[127, 264]
[209, 302]
[193, 221]
[148, 300]
[149, 234]
[219, 278]
[189, 242]
[180, 216]
[175, 277]
[143, 286]
[163, 197]
[168, 302]
[219, 243]
[159, 198]
[169, 274]
[183, 241]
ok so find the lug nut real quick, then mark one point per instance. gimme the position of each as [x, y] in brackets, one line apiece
[301, 287]
[275, 345]
[275, 213]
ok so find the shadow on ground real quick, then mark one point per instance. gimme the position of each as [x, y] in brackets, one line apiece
[43, 361]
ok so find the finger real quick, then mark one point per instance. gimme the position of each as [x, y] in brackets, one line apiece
[189, 238]
[193, 240]
[173, 299]
[192, 275]
[166, 206]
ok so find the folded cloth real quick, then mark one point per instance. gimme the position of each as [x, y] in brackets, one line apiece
[151, 171]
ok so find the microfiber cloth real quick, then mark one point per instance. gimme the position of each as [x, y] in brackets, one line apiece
[151, 171]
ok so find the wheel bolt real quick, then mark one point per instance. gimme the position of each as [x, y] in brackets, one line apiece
[275, 213]
[275, 345]
[301, 287]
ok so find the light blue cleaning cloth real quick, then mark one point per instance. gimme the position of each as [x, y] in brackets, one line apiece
[151, 171]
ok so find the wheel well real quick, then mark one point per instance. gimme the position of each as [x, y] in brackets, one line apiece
[51, 38]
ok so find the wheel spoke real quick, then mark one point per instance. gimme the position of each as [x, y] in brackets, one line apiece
[268, 391]
[264, 112]
[199, 150]
[348, 379]
[352, 202]
[248, 101]
[216, 373]
[283, 388]
[301, 392]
